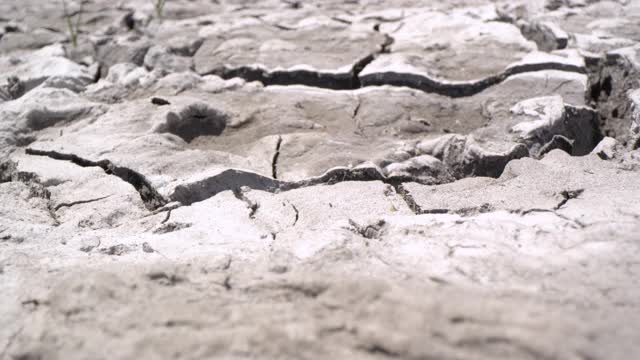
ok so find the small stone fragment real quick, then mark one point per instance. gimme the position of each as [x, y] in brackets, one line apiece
[159, 101]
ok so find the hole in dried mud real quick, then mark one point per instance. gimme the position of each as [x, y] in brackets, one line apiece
[196, 120]
[607, 85]
[614, 113]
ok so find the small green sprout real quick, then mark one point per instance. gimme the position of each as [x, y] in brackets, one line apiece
[159, 5]
[73, 27]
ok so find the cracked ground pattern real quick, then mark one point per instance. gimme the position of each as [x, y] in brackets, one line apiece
[283, 179]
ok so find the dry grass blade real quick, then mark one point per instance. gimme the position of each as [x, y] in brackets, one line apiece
[159, 6]
[74, 29]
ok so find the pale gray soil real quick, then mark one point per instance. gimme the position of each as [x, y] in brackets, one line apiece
[358, 179]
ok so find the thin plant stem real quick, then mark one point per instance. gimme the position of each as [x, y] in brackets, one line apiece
[159, 8]
[73, 29]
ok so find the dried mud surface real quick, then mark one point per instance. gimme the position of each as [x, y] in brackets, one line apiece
[320, 179]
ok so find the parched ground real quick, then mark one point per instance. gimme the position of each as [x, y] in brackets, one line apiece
[323, 179]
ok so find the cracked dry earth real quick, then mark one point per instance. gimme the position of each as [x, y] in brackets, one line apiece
[327, 179]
